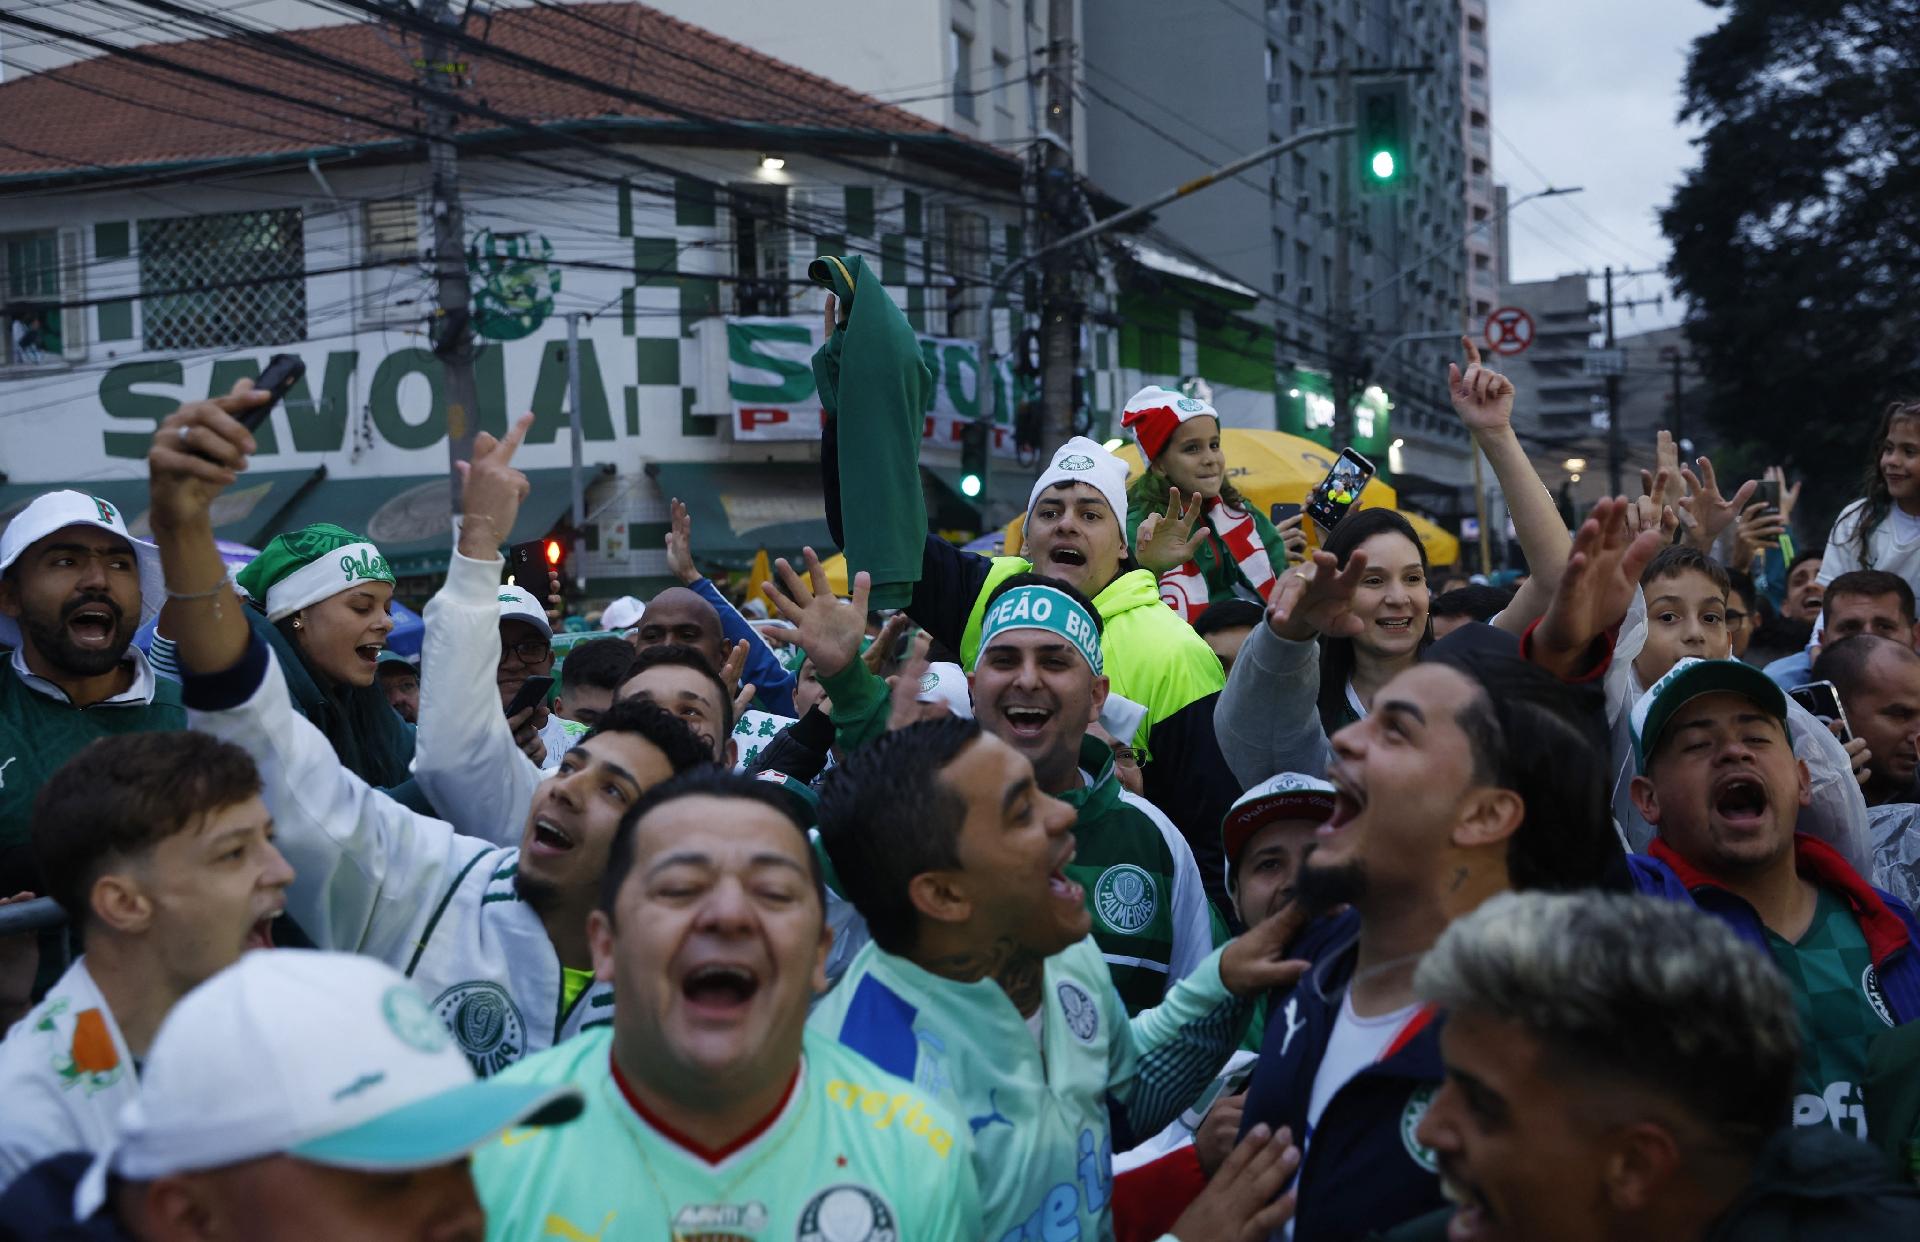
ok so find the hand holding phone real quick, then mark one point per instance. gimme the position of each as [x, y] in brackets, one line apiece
[1339, 492]
[282, 373]
[1822, 701]
[532, 693]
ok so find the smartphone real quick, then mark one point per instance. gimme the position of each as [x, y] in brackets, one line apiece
[1768, 494]
[1231, 1083]
[527, 562]
[282, 373]
[1280, 513]
[532, 693]
[1822, 702]
[1334, 495]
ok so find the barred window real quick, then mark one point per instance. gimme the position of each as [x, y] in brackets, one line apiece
[229, 279]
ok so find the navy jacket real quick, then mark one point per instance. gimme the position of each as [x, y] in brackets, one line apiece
[38, 1206]
[1892, 935]
[1364, 1172]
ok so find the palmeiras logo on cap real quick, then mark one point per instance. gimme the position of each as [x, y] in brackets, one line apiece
[1125, 898]
[847, 1213]
[1076, 461]
[485, 1023]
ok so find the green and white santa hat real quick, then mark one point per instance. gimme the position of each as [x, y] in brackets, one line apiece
[305, 566]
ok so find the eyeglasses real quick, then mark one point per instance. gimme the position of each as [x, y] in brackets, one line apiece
[528, 651]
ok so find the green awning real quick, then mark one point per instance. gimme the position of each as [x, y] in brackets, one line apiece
[739, 507]
[409, 518]
[245, 513]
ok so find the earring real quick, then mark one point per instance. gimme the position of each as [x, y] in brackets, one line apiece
[296, 623]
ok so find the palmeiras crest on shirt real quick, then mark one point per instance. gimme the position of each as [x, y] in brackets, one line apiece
[847, 1213]
[485, 1023]
[1125, 898]
[1417, 1105]
[1876, 995]
[1083, 1016]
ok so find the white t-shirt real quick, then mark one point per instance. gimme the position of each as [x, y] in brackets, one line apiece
[65, 1073]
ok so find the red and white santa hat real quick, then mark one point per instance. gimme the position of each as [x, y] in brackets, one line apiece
[1155, 413]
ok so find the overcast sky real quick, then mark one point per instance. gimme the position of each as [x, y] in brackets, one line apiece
[1587, 92]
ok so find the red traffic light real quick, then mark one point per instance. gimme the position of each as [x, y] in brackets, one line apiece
[553, 553]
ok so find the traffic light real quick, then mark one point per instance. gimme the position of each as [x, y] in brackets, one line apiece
[974, 442]
[1381, 115]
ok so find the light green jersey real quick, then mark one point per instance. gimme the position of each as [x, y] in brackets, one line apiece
[1045, 1114]
[854, 1155]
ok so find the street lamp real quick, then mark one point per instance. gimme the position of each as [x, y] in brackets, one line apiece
[1575, 464]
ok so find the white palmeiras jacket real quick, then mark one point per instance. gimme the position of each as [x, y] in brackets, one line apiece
[373, 877]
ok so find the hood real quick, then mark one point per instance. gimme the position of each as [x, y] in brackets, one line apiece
[1134, 589]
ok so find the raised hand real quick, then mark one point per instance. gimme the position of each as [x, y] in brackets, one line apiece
[680, 545]
[1255, 961]
[1482, 397]
[1760, 526]
[1596, 589]
[1708, 512]
[830, 628]
[881, 648]
[1654, 510]
[1317, 598]
[903, 694]
[197, 452]
[730, 677]
[1168, 540]
[1789, 496]
[491, 492]
[1238, 1204]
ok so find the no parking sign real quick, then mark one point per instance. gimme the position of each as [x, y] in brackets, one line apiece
[1509, 330]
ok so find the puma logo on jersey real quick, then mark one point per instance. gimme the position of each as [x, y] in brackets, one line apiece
[982, 1122]
[560, 1227]
[1293, 1027]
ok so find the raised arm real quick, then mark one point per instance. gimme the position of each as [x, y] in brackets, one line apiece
[1483, 398]
[772, 682]
[829, 629]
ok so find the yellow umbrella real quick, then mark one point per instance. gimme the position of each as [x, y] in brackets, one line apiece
[757, 578]
[1442, 548]
[836, 570]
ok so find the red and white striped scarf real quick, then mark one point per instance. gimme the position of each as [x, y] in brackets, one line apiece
[1185, 589]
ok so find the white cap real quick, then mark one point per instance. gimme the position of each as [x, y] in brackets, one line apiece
[518, 604]
[1080, 460]
[59, 510]
[946, 683]
[622, 614]
[333, 1058]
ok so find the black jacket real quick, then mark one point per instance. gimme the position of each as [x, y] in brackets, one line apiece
[38, 1206]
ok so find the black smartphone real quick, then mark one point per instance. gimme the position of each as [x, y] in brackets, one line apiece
[1280, 513]
[532, 693]
[282, 373]
[527, 562]
[1822, 702]
[1340, 490]
[1768, 494]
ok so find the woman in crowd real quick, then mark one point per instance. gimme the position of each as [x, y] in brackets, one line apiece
[1881, 530]
[1239, 553]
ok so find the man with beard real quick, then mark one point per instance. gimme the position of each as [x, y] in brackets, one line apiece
[74, 586]
[495, 935]
[1473, 774]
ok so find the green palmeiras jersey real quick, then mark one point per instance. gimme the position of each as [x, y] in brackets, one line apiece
[853, 1155]
[1045, 1115]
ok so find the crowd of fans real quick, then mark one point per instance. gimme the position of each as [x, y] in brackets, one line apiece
[1186, 875]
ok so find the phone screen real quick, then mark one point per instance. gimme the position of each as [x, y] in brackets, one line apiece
[1340, 490]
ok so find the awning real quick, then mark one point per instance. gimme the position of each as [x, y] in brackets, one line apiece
[244, 513]
[409, 517]
[738, 508]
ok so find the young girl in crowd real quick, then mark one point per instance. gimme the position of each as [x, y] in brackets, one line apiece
[1392, 604]
[1881, 530]
[1240, 553]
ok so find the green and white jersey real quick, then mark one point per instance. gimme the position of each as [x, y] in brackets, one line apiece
[1045, 1114]
[1831, 970]
[854, 1155]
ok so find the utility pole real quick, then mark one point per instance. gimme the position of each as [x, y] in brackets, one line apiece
[574, 476]
[1616, 426]
[1059, 310]
[452, 327]
[1345, 343]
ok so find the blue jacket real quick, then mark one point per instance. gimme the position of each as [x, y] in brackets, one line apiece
[1892, 934]
[38, 1206]
[1363, 1170]
[772, 683]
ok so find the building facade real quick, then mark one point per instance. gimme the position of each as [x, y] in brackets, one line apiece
[163, 266]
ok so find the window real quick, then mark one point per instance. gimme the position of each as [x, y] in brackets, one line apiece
[967, 269]
[1273, 60]
[1002, 98]
[390, 252]
[1300, 269]
[759, 249]
[236, 278]
[961, 46]
[30, 296]
[1279, 251]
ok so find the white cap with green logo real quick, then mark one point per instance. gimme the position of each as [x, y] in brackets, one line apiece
[332, 1058]
[58, 510]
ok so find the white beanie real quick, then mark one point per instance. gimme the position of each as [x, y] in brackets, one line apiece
[946, 683]
[1080, 460]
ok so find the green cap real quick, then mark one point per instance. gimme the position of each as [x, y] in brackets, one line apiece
[1687, 681]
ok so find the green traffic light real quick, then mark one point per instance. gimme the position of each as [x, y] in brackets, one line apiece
[970, 485]
[1382, 165]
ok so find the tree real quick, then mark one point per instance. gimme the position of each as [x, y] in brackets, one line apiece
[1796, 240]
